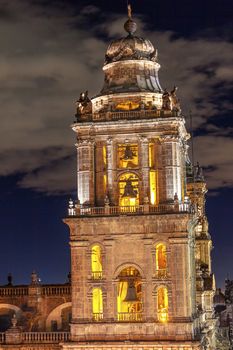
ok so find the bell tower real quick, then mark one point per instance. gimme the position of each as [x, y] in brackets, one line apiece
[133, 225]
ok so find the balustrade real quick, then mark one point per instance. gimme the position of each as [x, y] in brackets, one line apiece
[97, 317]
[97, 275]
[45, 337]
[127, 210]
[161, 274]
[138, 114]
[56, 290]
[13, 291]
[129, 316]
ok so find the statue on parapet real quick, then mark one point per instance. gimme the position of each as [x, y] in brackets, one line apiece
[83, 104]
[170, 100]
[166, 101]
[174, 99]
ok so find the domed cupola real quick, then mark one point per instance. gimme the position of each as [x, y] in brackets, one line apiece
[131, 63]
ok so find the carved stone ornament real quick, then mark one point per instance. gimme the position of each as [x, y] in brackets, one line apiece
[83, 104]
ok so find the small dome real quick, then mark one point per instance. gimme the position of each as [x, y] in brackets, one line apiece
[130, 47]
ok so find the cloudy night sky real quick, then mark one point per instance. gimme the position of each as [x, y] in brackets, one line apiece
[50, 52]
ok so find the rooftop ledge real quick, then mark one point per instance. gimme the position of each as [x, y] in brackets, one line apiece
[76, 210]
[130, 115]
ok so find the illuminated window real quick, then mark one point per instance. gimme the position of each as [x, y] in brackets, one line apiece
[161, 260]
[151, 155]
[96, 262]
[129, 295]
[162, 304]
[105, 156]
[128, 190]
[127, 156]
[97, 304]
[153, 186]
[127, 105]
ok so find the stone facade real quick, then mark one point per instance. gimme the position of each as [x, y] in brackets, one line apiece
[141, 274]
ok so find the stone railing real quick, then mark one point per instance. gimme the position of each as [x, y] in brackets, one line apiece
[45, 337]
[2, 338]
[130, 115]
[129, 210]
[97, 275]
[13, 291]
[129, 316]
[16, 291]
[161, 274]
[56, 290]
[97, 317]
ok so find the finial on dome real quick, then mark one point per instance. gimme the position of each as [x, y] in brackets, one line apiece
[129, 11]
[130, 26]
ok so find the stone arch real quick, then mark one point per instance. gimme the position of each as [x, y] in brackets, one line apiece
[125, 265]
[56, 316]
[6, 313]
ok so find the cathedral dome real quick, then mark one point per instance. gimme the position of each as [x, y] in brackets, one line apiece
[130, 47]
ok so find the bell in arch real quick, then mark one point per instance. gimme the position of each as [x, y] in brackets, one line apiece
[128, 153]
[131, 296]
[129, 190]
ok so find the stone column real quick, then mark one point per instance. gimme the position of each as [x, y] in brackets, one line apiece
[145, 170]
[110, 170]
[171, 170]
[80, 310]
[85, 172]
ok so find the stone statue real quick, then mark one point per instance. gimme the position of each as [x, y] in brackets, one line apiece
[83, 104]
[166, 100]
[174, 99]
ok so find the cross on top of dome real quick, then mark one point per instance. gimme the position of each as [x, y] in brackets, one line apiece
[130, 26]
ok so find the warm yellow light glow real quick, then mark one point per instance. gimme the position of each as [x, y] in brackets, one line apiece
[97, 301]
[161, 257]
[124, 307]
[105, 183]
[162, 304]
[105, 155]
[128, 190]
[96, 259]
[151, 155]
[127, 105]
[153, 187]
[127, 156]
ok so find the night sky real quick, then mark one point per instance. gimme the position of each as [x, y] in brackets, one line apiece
[53, 50]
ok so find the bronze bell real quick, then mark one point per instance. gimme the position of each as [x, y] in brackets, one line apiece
[131, 296]
[128, 154]
[129, 190]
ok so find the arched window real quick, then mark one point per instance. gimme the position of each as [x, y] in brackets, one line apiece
[97, 304]
[129, 295]
[96, 262]
[161, 260]
[128, 190]
[162, 304]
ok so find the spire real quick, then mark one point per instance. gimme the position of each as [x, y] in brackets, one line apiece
[129, 11]
[130, 26]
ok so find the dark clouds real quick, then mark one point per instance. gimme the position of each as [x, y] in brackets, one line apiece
[47, 58]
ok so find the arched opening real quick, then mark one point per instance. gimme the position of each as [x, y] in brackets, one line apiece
[129, 295]
[96, 262]
[162, 304]
[161, 260]
[128, 190]
[59, 318]
[97, 304]
[7, 312]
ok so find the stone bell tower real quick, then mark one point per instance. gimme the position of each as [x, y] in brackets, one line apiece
[133, 226]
